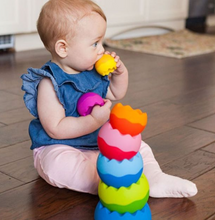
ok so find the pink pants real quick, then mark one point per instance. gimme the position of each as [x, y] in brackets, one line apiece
[67, 167]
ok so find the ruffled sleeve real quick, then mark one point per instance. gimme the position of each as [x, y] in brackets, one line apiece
[31, 81]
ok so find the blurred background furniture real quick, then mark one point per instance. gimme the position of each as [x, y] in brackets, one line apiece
[198, 12]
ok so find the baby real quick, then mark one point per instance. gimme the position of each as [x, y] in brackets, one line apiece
[64, 143]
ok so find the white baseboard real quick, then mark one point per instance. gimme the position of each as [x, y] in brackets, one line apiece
[29, 41]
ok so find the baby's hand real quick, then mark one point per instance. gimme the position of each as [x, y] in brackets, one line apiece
[101, 113]
[120, 67]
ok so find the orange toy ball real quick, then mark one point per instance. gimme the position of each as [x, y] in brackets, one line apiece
[105, 65]
[128, 120]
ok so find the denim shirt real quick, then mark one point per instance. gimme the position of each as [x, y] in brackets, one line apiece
[68, 88]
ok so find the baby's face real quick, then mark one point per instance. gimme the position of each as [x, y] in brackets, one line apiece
[85, 48]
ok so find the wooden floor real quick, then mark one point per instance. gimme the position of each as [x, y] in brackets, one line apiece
[179, 97]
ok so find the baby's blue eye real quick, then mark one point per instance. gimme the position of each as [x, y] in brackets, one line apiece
[95, 44]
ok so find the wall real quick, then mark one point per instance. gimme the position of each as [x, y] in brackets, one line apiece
[19, 17]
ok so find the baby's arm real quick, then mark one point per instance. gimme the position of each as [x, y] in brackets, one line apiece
[57, 125]
[118, 80]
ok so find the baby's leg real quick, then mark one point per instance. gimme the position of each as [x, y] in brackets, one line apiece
[161, 184]
[66, 167]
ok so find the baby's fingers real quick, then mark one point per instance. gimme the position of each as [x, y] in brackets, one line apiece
[108, 103]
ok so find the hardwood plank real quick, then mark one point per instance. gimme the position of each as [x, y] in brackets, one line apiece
[15, 90]
[178, 143]
[22, 170]
[7, 97]
[194, 98]
[39, 56]
[15, 152]
[164, 116]
[210, 148]
[15, 115]
[205, 123]
[38, 200]
[211, 218]
[192, 165]
[11, 79]
[168, 208]
[7, 183]
[138, 96]
[154, 72]
[84, 211]
[148, 91]
[14, 133]
[6, 60]
[174, 93]
[167, 70]
[12, 104]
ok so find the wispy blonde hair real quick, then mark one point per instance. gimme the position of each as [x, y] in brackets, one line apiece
[57, 17]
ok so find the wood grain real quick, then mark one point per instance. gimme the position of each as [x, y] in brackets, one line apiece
[205, 124]
[179, 98]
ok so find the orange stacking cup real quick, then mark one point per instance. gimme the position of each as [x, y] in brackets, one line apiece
[128, 120]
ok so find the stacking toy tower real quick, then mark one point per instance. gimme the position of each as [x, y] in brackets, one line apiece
[123, 189]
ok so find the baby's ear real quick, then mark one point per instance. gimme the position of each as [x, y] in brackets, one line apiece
[61, 48]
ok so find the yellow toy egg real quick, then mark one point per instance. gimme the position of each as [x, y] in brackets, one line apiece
[105, 65]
